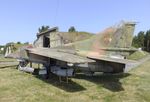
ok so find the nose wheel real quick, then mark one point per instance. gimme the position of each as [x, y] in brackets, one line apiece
[23, 63]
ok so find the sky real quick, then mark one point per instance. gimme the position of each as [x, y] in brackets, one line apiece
[20, 19]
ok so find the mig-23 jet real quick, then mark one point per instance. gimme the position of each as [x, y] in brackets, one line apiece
[62, 53]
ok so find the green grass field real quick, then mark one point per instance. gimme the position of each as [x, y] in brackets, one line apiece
[138, 55]
[16, 86]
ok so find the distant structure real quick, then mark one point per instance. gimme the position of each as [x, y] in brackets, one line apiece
[53, 38]
[9, 49]
[2, 49]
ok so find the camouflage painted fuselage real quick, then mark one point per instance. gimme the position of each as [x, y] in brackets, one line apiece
[102, 52]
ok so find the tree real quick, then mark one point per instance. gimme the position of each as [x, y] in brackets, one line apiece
[26, 43]
[72, 29]
[43, 28]
[141, 37]
[138, 40]
[135, 42]
[18, 42]
[147, 40]
[142, 40]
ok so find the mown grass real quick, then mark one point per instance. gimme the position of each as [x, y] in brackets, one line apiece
[2, 59]
[16, 86]
[138, 55]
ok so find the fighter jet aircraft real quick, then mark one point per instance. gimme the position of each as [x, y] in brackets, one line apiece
[62, 53]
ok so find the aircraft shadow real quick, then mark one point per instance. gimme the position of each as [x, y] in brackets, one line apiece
[108, 81]
[69, 87]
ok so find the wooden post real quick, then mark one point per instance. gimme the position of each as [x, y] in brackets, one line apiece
[147, 46]
[38, 66]
[67, 79]
[30, 64]
[60, 79]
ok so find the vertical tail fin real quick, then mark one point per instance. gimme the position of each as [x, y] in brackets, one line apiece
[124, 35]
[129, 27]
[112, 37]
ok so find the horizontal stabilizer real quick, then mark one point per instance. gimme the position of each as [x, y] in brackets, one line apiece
[109, 59]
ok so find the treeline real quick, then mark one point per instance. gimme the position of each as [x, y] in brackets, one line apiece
[45, 28]
[142, 40]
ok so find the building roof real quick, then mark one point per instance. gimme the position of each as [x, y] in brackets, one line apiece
[54, 29]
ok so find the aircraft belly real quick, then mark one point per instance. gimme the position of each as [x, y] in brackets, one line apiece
[102, 66]
[95, 67]
[62, 72]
